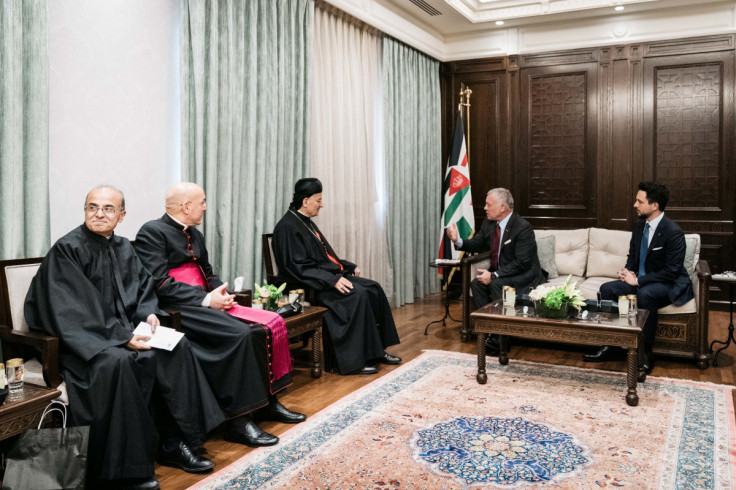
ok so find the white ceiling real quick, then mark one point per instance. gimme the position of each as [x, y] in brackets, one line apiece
[464, 29]
[450, 18]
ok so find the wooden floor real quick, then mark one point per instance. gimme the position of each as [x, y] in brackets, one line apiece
[312, 395]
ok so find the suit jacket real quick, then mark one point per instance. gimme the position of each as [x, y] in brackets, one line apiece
[518, 260]
[664, 262]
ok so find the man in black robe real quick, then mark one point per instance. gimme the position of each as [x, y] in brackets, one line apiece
[233, 353]
[359, 321]
[91, 291]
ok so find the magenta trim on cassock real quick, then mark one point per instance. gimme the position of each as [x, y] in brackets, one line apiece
[279, 355]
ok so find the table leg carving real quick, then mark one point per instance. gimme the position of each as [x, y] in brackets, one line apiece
[632, 373]
[481, 376]
[317, 353]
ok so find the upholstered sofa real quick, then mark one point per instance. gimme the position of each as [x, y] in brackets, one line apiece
[593, 256]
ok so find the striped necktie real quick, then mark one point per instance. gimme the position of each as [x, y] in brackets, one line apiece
[643, 250]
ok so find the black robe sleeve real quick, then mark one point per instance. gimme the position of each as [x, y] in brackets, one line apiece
[162, 247]
[73, 295]
[297, 253]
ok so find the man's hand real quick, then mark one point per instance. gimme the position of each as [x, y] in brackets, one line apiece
[137, 342]
[484, 276]
[452, 233]
[629, 278]
[220, 299]
[622, 274]
[344, 286]
[153, 321]
[356, 272]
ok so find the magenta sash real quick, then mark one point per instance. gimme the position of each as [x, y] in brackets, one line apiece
[279, 358]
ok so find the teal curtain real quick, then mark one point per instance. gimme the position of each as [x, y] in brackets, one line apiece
[411, 105]
[245, 73]
[24, 129]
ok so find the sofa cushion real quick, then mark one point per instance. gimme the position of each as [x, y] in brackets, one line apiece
[608, 252]
[692, 252]
[571, 250]
[546, 253]
[689, 307]
[591, 285]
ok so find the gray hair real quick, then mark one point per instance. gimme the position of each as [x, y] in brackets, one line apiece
[111, 187]
[503, 195]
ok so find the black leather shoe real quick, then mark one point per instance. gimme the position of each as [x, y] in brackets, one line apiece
[493, 346]
[389, 359]
[648, 364]
[244, 431]
[605, 353]
[137, 484]
[366, 370]
[184, 457]
[276, 412]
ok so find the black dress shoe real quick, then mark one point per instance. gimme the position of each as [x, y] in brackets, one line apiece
[493, 346]
[244, 431]
[387, 358]
[137, 484]
[648, 363]
[184, 457]
[366, 370]
[276, 412]
[605, 353]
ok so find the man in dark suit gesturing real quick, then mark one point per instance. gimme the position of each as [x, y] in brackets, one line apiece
[514, 260]
[654, 268]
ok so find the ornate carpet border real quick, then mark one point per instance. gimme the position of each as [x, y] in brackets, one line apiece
[705, 435]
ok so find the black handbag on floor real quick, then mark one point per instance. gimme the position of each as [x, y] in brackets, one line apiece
[48, 458]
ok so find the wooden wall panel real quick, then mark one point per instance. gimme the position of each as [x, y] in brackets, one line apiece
[572, 133]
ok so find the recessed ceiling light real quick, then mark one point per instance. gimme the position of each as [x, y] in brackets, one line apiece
[618, 8]
[499, 22]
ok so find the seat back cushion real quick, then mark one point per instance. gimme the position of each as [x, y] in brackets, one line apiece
[19, 279]
[571, 250]
[546, 253]
[608, 252]
[692, 252]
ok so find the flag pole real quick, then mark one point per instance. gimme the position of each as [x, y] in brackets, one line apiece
[466, 103]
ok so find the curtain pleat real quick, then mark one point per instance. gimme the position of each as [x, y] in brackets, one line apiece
[346, 98]
[245, 76]
[24, 129]
[412, 137]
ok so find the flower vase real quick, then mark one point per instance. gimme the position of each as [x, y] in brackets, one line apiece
[273, 303]
[546, 312]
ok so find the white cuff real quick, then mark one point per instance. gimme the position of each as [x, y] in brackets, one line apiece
[458, 243]
[206, 300]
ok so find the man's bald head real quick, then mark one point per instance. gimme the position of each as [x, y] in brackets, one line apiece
[186, 202]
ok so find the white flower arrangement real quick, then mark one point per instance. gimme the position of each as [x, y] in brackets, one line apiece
[555, 297]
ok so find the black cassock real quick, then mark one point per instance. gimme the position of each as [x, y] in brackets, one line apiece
[359, 323]
[91, 292]
[232, 352]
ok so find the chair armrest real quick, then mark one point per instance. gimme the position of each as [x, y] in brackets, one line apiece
[173, 320]
[47, 345]
[472, 259]
[702, 269]
[244, 298]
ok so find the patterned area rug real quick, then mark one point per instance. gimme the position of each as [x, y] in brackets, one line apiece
[430, 425]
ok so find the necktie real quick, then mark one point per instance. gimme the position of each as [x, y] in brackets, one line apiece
[495, 247]
[643, 250]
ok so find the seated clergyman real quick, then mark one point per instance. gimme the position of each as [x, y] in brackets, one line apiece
[359, 320]
[244, 352]
[91, 291]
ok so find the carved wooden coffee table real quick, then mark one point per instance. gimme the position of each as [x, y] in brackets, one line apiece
[600, 328]
[309, 320]
[22, 413]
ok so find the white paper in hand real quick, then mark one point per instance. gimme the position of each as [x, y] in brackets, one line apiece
[165, 338]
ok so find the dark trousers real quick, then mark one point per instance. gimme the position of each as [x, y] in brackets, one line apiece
[482, 294]
[650, 297]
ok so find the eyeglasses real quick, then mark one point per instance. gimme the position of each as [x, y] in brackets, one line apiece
[108, 210]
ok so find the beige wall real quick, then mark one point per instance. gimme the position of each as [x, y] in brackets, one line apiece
[114, 106]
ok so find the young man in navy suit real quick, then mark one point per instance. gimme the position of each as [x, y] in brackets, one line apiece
[654, 268]
[514, 260]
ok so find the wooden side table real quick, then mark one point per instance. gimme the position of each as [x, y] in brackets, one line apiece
[729, 278]
[309, 320]
[17, 416]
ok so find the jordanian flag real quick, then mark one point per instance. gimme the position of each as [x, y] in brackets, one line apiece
[458, 200]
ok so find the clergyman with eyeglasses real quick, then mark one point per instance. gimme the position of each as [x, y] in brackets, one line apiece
[91, 291]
